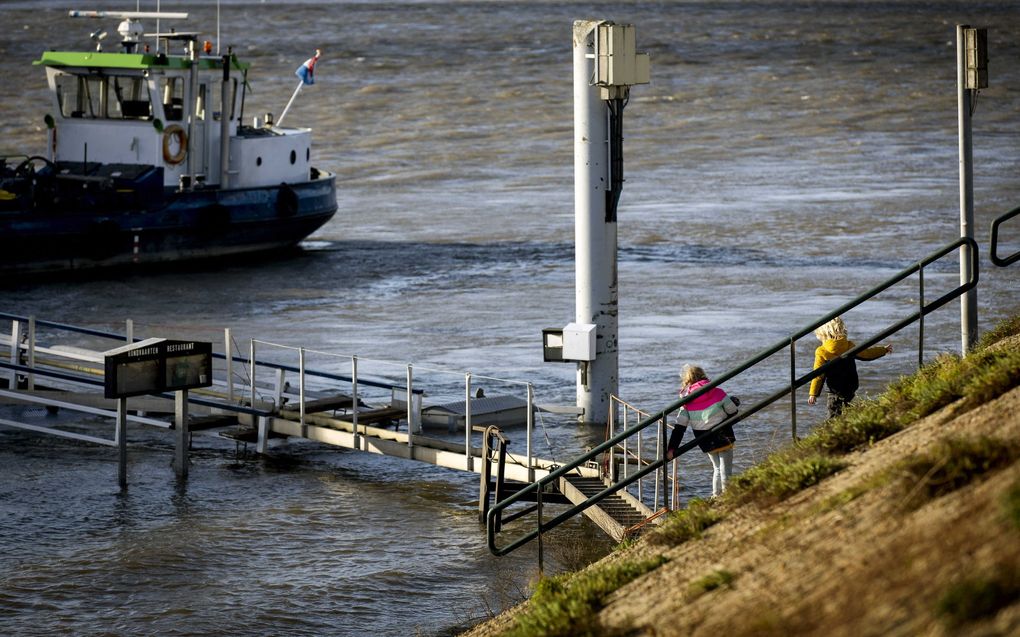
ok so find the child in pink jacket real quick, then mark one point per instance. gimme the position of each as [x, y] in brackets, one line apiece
[703, 413]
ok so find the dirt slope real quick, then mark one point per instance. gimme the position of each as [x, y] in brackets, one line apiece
[846, 557]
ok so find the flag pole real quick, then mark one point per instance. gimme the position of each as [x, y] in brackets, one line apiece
[306, 73]
[279, 122]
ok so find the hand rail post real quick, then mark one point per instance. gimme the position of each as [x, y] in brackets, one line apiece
[660, 456]
[228, 352]
[12, 382]
[354, 400]
[301, 389]
[31, 352]
[793, 387]
[251, 370]
[538, 502]
[920, 313]
[531, 428]
[676, 484]
[468, 461]
[637, 462]
[410, 410]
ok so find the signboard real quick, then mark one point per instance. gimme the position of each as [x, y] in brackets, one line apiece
[157, 365]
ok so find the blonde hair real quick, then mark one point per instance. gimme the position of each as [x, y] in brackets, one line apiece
[831, 331]
[691, 374]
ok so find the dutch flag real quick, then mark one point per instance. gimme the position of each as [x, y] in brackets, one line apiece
[307, 70]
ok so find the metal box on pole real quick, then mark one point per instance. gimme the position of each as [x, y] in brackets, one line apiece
[976, 45]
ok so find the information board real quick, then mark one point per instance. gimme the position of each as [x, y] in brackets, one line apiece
[157, 365]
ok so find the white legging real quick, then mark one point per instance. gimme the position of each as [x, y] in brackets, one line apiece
[722, 469]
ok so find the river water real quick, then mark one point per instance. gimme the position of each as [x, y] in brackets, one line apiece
[786, 157]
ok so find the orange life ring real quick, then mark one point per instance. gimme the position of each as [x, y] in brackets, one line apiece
[169, 133]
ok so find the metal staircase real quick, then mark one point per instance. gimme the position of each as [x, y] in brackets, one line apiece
[620, 515]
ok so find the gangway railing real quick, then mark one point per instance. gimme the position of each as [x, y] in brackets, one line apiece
[968, 250]
[250, 398]
[627, 457]
[993, 241]
[97, 411]
[31, 348]
[413, 412]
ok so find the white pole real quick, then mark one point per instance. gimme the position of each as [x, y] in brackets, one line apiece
[354, 399]
[301, 389]
[279, 122]
[594, 236]
[468, 460]
[228, 352]
[968, 302]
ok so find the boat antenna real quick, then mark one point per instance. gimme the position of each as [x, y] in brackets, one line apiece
[130, 28]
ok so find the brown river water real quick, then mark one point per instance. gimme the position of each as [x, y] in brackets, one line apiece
[786, 157]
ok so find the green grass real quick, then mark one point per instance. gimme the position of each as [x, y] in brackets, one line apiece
[568, 604]
[782, 474]
[1005, 329]
[685, 524]
[977, 597]
[954, 463]
[710, 582]
[1011, 504]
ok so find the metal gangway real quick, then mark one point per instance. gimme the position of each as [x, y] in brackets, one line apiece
[374, 406]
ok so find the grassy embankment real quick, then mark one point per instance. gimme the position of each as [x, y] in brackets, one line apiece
[757, 506]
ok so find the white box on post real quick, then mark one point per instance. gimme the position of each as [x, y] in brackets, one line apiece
[579, 342]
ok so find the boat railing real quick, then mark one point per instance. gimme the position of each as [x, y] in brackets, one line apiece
[968, 250]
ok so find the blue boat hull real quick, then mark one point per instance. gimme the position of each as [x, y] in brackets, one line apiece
[75, 223]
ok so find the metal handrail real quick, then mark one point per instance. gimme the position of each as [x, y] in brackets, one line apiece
[205, 402]
[993, 241]
[629, 455]
[971, 249]
[237, 359]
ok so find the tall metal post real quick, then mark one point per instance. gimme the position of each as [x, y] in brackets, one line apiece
[181, 425]
[595, 244]
[226, 108]
[121, 435]
[192, 165]
[968, 302]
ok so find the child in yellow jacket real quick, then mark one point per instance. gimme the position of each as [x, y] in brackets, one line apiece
[841, 378]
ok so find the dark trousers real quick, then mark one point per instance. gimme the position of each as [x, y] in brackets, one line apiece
[835, 404]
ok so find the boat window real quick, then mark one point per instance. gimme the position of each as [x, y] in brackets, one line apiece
[103, 97]
[172, 91]
[80, 95]
[131, 98]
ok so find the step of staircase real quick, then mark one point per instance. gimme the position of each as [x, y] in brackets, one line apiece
[614, 514]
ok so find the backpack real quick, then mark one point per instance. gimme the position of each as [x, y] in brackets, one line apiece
[841, 378]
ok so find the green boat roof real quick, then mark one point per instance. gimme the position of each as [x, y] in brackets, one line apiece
[132, 61]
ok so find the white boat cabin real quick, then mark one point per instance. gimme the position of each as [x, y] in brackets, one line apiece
[167, 110]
